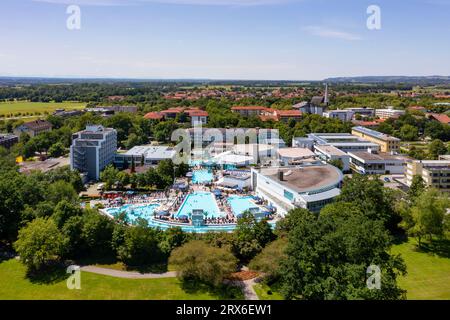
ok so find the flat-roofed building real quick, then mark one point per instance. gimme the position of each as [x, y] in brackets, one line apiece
[343, 115]
[301, 142]
[149, 155]
[435, 173]
[343, 141]
[286, 188]
[389, 112]
[377, 163]
[8, 140]
[292, 156]
[330, 153]
[235, 179]
[92, 150]
[386, 142]
[363, 111]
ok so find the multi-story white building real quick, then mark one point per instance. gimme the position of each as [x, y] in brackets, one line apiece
[150, 155]
[390, 112]
[92, 150]
[368, 162]
[286, 188]
[343, 141]
[330, 153]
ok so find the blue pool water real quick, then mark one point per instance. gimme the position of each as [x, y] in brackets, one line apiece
[134, 212]
[202, 177]
[241, 204]
[200, 200]
[206, 201]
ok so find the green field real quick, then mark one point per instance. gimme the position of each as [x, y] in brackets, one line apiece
[264, 292]
[15, 285]
[428, 275]
[12, 109]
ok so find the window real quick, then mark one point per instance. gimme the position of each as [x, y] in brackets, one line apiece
[288, 195]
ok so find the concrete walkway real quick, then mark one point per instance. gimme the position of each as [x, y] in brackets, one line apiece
[127, 274]
[249, 291]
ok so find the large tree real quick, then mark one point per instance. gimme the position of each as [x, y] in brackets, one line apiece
[371, 198]
[198, 261]
[426, 217]
[39, 243]
[328, 258]
[250, 236]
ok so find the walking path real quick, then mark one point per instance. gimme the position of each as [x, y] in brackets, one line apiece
[249, 291]
[127, 274]
[246, 286]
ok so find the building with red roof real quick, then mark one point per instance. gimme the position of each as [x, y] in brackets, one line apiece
[440, 117]
[249, 111]
[154, 116]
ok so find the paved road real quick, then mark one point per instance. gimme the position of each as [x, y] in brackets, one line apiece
[127, 274]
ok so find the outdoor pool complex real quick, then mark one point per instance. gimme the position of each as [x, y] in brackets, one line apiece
[241, 204]
[202, 177]
[133, 212]
[197, 200]
[200, 201]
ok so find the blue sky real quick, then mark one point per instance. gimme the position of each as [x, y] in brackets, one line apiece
[224, 39]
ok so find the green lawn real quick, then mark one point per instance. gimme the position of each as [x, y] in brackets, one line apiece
[23, 107]
[264, 292]
[14, 285]
[428, 274]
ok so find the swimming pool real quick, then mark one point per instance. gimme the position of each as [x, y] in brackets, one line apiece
[200, 201]
[133, 212]
[202, 177]
[241, 204]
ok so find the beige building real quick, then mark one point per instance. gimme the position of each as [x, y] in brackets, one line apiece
[435, 173]
[386, 142]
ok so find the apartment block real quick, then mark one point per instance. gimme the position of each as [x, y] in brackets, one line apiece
[435, 173]
[92, 150]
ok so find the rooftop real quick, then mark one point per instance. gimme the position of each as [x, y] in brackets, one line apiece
[288, 113]
[440, 117]
[379, 156]
[295, 153]
[154, 116]
[331, 150]
[374, 134]
[153, 152]
[305, 179]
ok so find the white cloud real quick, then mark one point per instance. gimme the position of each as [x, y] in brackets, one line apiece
[331, 33]
[179, 2]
